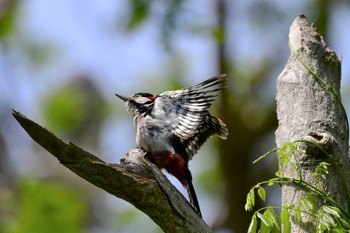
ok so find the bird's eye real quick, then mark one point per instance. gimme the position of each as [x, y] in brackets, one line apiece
[144, 95]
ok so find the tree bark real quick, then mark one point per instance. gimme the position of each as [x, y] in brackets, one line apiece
[307, 110]
[135, 180]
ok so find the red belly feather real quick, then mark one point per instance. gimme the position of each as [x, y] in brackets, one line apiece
[175, 164]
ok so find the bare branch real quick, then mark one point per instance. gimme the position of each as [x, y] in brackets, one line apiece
[135, 180]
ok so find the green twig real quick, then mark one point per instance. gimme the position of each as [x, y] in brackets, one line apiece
[325, 85]
[265, 155]
[335, 164]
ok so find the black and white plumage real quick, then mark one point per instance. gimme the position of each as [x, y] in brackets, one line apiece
[173, 125]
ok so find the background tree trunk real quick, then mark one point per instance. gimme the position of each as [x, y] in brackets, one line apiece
[236, 164]
[307, 110]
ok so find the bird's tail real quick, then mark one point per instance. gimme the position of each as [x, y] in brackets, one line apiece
[191, 192]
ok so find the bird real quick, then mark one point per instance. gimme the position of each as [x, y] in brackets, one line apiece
[172, 126]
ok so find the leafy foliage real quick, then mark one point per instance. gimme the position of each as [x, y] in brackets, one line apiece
[139, 11]
[72, 107]
[321, 171]
[62, 209]
[329, 215]
[7, 17]
[166, 13]
[63, 102]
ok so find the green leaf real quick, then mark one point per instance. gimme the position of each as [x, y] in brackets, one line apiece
[8, 17]
[272, 181]
[311, 202]
[345, 223]
[275, 225]
[218, 34]
[326, 222]
[308, 204]
[328, 218]
[49, 207]
[284, 154]
[332, 210]
[139, 11]
[321, 170]
[297, 215]
[250, 200]
[262, 193]
[285, 151]
[263, 219]
[285, 221]
[272, 216]
[266, 226]
[338, 230]
[253, 224]
[63, 110]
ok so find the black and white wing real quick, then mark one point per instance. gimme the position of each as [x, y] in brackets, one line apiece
[187, 109]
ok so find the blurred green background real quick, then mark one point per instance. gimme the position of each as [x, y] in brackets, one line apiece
[62, 61]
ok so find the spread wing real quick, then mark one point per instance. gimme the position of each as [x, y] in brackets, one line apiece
[210, 126]
[188, 109]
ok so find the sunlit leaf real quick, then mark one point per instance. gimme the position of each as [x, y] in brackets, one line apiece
[263, 219]
[285, 221]
[262, 193]
[325, 220]
[308, 204]
[311, 203]
[297, 215]
[253, 225]
[266, 225]
[328, 219]
[273, 217]
[331, 210]
[321, 170]
[250, 200]
[284, 154]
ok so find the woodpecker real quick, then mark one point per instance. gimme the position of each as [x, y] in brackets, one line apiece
[173, 125]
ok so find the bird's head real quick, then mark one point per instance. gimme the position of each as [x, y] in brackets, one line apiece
[138, 103]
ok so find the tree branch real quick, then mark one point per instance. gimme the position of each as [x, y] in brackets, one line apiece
[135, 180]
[309, 108]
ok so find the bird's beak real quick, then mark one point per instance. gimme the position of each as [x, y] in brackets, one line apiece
[122, 97]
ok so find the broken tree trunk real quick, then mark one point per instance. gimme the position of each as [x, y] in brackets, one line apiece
[308, 110]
